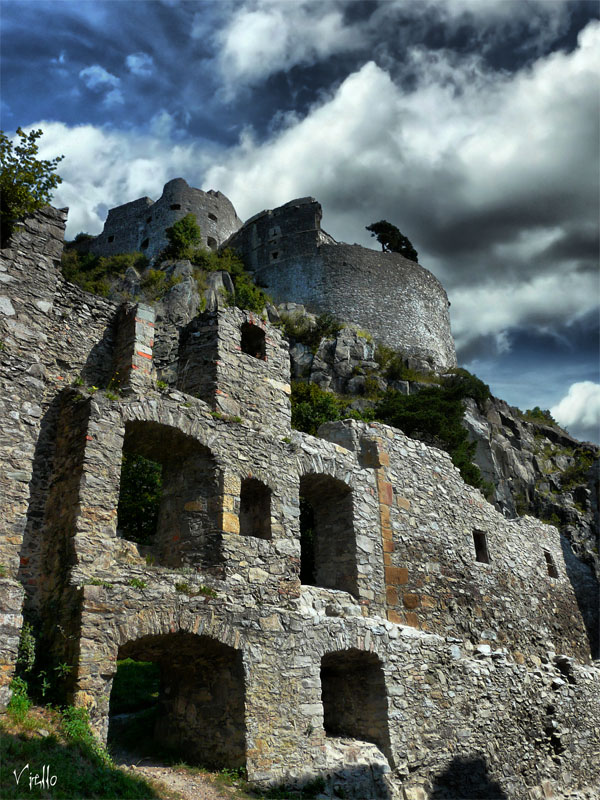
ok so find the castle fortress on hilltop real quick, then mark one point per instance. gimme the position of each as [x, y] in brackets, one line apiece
[402, 304]
[430, 649]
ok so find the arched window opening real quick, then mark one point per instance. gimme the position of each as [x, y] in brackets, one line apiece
[327, 540]
[255, 509]
[354, 696]
[211, 242]
[180, 694]
[253, 341]
[144, 244]
[212, 216]
[169, 497]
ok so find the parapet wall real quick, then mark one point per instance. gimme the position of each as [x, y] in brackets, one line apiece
[402, 304]
[400, 656]
[141, 224]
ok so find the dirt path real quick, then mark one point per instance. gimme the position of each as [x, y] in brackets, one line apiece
[179, 783]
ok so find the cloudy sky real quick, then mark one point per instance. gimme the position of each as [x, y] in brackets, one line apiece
[470, 124]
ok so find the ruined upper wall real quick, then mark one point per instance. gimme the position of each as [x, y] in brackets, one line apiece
[141, 224]
[402, 304]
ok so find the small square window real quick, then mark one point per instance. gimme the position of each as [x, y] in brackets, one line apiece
[481, 550]
[253, 341]
[550, 565]
[111, 239]
[175, 206]
[274, 255]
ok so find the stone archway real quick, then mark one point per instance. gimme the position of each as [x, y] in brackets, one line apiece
[200, 712]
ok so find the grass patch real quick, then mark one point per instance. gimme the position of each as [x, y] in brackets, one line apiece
[76, 764]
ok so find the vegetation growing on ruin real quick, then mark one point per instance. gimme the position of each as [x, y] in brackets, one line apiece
[434, 415]
[94, 273]
[300, 328]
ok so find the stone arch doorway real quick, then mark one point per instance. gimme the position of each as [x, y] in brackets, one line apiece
[199, 712]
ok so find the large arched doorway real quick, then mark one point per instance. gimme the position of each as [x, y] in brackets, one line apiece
[197, 713]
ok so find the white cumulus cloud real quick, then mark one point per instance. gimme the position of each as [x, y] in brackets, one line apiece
[96, 77]
[579, 410]
[140, 64]
[266, 36]
[104, 168]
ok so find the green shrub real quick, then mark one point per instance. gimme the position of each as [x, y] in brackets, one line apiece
[576, 473]
[184, 238]
[301, 329]
[94, 273]
[26, 652]
[312, 406]
[434, 415]
[537, 414]
[19, 705]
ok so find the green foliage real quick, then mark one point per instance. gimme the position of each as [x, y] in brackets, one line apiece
[82, 767]
[537, 414]
[576, 473]
[300, 328]
[94, 273]
[157, 283]
[138, 583]
[19, 705]
[3, 571]
[26, 652]
[139, 498]
[26, 183]
[390, 239]
[312, 406]
[434, 415]
[184, 238]
[162, 385]
[135, 686]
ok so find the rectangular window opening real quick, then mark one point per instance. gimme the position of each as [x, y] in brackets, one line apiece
[550, 565]
[481, 549]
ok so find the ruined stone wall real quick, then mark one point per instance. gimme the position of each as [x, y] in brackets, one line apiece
[410, 668]
[402, 304]
[141, 224]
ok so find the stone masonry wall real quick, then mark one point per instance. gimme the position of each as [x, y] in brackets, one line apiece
[402, 304]
[141, 224]
[425, 674]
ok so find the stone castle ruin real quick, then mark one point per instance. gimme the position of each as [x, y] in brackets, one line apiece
[140, 226]
[426, 647]
[402, 304]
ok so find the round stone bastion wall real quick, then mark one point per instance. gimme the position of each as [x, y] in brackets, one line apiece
[399, 302]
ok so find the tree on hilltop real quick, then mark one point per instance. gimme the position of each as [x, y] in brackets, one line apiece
[26, 183]
[391, 240]
[184, 238]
